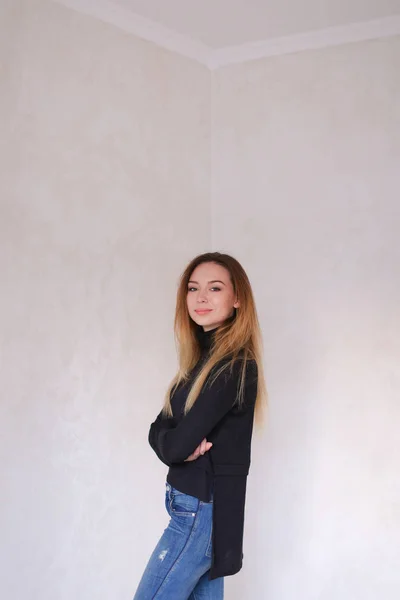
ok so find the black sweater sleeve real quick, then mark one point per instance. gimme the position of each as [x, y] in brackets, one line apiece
[176, 444]
[161, 423]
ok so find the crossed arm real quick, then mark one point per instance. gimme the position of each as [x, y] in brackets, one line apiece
[174, 444]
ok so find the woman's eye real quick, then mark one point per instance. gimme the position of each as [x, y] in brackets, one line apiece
[213, 288]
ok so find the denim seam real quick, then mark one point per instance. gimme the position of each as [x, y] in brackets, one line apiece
[174, 565]
[210, 542]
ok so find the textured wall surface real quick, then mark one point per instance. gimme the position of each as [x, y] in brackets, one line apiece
[104, 195]
[306, 191]
[105, 150]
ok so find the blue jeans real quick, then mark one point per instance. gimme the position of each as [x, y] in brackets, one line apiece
[179, 566]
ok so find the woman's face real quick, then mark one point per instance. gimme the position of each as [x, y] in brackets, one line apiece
[210, 297]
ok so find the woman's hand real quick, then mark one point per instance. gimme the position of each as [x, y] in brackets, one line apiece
[200, 450]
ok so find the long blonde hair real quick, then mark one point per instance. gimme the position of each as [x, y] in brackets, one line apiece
[238, 337]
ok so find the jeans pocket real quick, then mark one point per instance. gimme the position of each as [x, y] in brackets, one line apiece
[181, 504]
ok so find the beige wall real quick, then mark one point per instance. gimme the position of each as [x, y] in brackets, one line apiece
[105, 193]
[105, 159]
[306, 192]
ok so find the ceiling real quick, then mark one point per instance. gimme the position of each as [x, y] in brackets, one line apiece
[221, 23]
[220, 32]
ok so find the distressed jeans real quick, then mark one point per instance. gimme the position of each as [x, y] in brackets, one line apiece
[179, 566]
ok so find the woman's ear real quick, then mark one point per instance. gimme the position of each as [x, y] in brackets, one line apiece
[237, 304]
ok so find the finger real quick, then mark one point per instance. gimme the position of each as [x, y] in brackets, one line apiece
[191, 457]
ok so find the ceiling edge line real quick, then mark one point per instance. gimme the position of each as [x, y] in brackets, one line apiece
[312, 40]
[218, 58]
[142, 28]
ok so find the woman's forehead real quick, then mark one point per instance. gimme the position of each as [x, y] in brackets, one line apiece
[211, 270]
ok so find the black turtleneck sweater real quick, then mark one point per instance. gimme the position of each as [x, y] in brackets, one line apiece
[174, 439]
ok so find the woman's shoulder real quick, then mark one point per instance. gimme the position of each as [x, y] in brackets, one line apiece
[233, 366]
[250, 367]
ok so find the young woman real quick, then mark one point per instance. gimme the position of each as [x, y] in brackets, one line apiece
[203, 433]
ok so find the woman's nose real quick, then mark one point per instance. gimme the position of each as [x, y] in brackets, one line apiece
[202, 297]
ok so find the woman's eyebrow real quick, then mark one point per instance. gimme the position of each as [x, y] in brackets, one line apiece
[213, 281]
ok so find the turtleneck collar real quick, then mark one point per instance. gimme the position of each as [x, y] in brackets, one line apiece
[205, 338]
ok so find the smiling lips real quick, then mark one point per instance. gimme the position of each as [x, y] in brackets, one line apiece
[203, 311]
